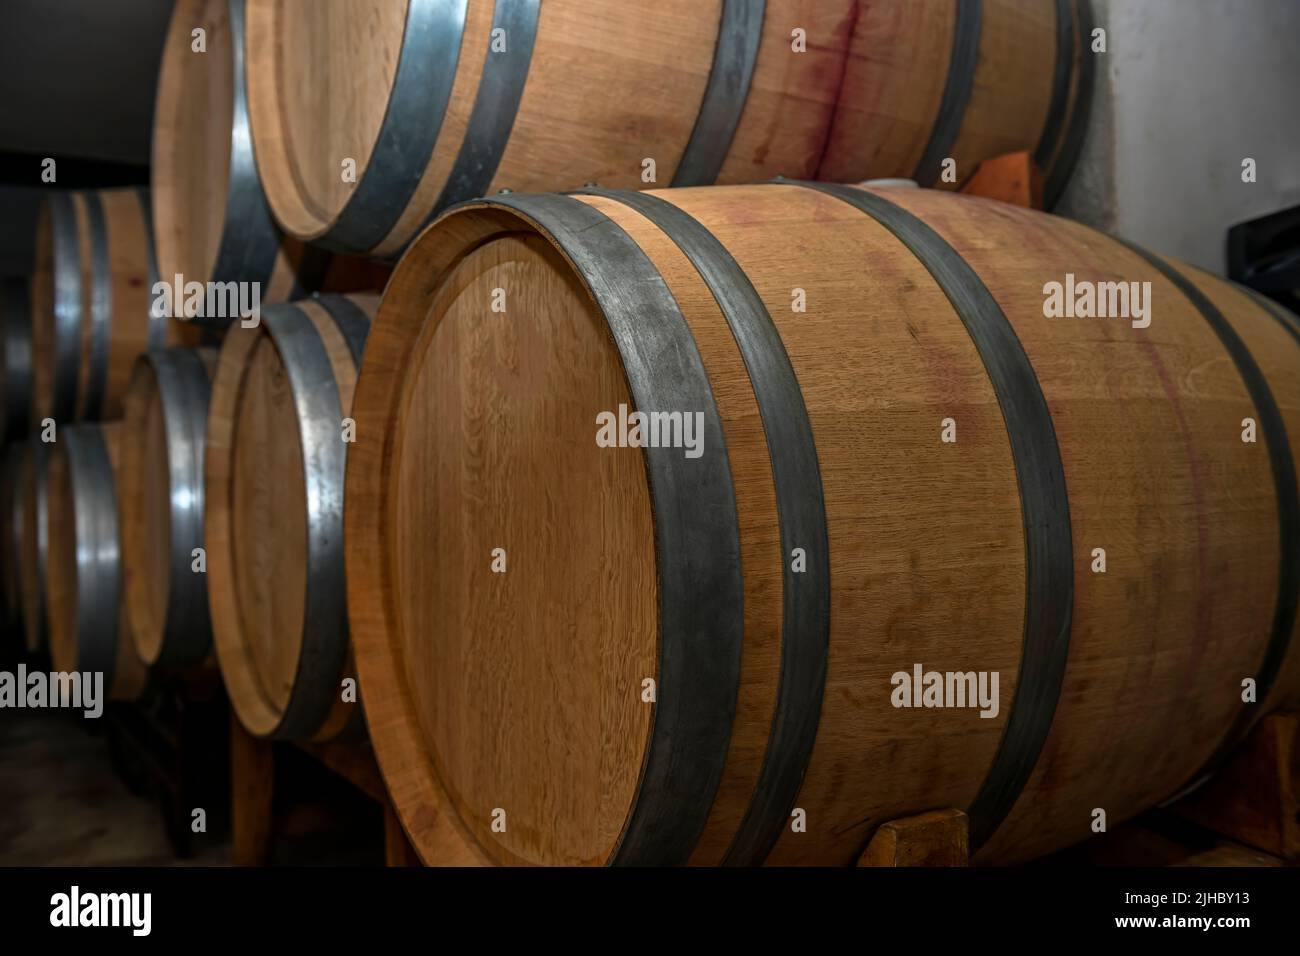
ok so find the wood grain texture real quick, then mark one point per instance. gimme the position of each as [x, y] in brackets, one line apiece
[269, 510]
[257, 517]
[464, 413]
[897, 71]
[610, 87]
[893, 83]
[565, 794]
[937, 838]
[1012, 89]
[1148, 424]
[190, 172]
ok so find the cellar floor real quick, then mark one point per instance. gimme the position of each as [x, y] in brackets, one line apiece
[62, 804]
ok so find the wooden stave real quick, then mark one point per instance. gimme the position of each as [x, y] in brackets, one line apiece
[1015, 840]
[443, 837]
[1041, 478]
[16, 346]
[314, 710]
[88, 633]
[181, 377]
[391, 206]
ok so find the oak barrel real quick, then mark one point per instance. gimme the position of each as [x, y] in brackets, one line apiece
[278, 433]
[211, 219]
[161, 482]
[92, 302]
[369, 116]
[891, 479]
[88, 630]
[15, 357]
[930, 80]
[34, 541]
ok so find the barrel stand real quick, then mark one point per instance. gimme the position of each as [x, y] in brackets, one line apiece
[161, 746]
[1252, 804]
[1012, 177]
[1255, 798]
[252, 793]
[937, 838]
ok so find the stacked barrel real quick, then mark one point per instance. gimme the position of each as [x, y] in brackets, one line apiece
[448, 495]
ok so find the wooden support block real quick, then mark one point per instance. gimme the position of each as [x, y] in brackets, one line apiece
[252, 792]
[937, 838]
[1012, 178]
[355, 763]
[1255, 798]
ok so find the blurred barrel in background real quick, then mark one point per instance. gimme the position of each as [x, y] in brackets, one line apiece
[657, 655]
[15, 357]
[370, 115]
[278, 433]
[91, 302]
[88, 630]
[212, 222]
[161, 486]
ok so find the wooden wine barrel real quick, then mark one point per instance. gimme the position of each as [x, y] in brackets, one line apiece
[700, 653]
[92, 302]
[211, 220]
[161, 482]
[966, 80]
[15, 357]
[371, 115]
[274, 466]
[11, 531]
[34, 543]
[88, 630]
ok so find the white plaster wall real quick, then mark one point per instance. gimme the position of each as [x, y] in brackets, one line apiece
[1186, 91]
